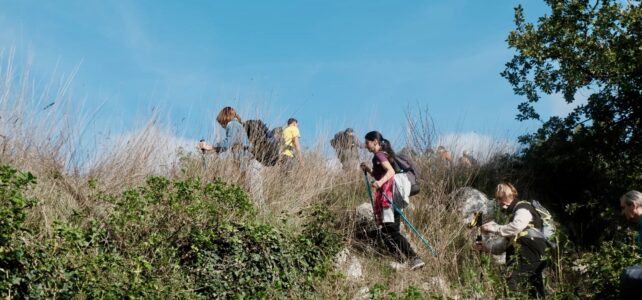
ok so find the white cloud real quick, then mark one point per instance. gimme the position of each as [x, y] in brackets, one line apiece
[482, 146]
[152, 149]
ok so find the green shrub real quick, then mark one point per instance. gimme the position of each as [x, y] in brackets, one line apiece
[252, 260]
[13, 213]
[166, 239]
[603, 267]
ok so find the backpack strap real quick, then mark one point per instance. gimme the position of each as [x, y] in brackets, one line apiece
[533, 230]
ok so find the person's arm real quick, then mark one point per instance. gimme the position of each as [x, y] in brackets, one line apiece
[231, 131]
[390, 172]
[203, 146]
[521, 220]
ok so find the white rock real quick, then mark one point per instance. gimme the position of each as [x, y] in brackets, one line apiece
[348, 264]
[365, 212]
[437, 284]
[341, 258]
[362, 294]
[355, 271]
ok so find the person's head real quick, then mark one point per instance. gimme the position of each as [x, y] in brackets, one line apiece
[226, 115]
[349, 131]
[293, 122]
[441, 149]
[466, 153]
[505, 193]
[376, 142]
[631, 204]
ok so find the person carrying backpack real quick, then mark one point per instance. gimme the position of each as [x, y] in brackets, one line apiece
[522, 240]
[386, 217]
[292, 144]
[346, 145]
[235, 143]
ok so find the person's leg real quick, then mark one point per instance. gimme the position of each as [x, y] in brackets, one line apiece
[254, 180]
[537, 281]
[527, 278]
[395, 240]
[631, 282]
[286, 163]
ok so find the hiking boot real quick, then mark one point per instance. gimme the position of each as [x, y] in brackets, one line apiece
[416, 263]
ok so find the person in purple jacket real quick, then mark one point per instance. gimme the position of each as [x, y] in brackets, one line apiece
[385, 215]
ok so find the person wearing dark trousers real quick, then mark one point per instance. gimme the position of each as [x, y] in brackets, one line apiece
[385, 215]
[395, 241]
[523, 241]
[631, 277]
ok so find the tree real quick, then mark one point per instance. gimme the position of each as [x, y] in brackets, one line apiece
[587, 159]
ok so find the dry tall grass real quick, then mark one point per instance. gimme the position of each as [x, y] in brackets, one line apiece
[44, 139]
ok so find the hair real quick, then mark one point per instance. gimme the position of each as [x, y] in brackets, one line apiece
[292, 120]
[632, 197]
[226, 115]
[505, 190]
[385, 144]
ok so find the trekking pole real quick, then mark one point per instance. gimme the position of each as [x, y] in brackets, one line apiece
[365, 175]
[412, 227]
[402, 216]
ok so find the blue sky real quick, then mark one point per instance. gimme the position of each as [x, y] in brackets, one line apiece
[331, 64]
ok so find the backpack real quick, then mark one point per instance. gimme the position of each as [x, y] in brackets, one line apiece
[548, 225]
[266, 144]
[548, 231]
[404, 164]
[406, 184]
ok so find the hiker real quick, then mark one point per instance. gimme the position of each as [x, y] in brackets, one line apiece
[467, 160]
[292, 144]
[235, 142]
[444, 155]
[346, 145]
[385, 215]
[631, 277]
[524, 246]
[444, 159]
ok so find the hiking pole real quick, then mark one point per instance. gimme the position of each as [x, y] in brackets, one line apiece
[365, 175]
[402, 216]
[412, 227]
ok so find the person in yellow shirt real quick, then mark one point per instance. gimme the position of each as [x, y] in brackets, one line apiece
[292, 137]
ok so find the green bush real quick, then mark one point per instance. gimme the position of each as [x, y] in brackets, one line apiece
[601, 278]
[13, 213]
[166, 239]
[258, 261]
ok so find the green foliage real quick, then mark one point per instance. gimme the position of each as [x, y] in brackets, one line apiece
[592, 47]
[13, 213]
[252, 260]
[601, 278]
[377, 292]
[166, 239]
